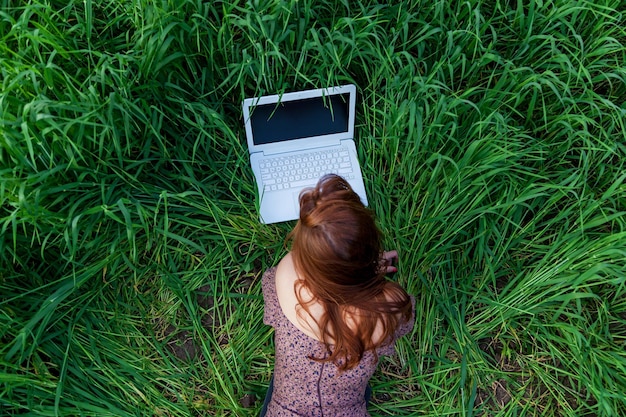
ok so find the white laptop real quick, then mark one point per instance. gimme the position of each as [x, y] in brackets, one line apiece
[296, 138]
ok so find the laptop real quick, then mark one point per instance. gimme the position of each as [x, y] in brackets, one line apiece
[294, 139]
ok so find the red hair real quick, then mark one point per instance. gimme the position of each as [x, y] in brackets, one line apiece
[336, 248]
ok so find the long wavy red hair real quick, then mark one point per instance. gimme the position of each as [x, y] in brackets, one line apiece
[336, 248]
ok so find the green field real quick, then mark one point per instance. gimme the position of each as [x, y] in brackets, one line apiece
[492, 137]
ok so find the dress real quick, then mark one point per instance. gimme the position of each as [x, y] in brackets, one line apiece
[304, 387]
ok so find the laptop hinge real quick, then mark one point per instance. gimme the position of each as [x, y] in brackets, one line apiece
[298, 148]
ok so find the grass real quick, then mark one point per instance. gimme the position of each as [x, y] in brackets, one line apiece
[493, 141]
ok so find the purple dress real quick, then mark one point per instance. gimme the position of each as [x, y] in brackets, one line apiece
[304, 387]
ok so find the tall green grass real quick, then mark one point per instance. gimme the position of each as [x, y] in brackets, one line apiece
[493, 142]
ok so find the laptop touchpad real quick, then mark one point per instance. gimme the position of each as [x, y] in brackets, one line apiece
[296, 204]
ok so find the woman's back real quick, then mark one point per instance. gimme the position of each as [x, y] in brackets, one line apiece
[307, 387]
[286, 279]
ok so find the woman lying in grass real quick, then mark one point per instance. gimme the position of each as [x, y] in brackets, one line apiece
[333, 311]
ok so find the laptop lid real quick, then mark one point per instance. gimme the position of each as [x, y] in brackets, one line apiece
[299, 120]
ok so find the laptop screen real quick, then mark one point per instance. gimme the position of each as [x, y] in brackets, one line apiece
[298, 119]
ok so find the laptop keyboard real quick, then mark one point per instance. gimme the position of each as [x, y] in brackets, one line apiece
[284, 172]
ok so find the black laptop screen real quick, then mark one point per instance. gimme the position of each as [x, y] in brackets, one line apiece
[296, 119]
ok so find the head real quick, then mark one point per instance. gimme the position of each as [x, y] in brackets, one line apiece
[336, 244]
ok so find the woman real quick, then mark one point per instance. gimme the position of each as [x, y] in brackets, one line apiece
[333, 310]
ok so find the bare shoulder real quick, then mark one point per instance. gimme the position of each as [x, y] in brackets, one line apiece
[286, 280]
[286, 276]
[392, 293]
